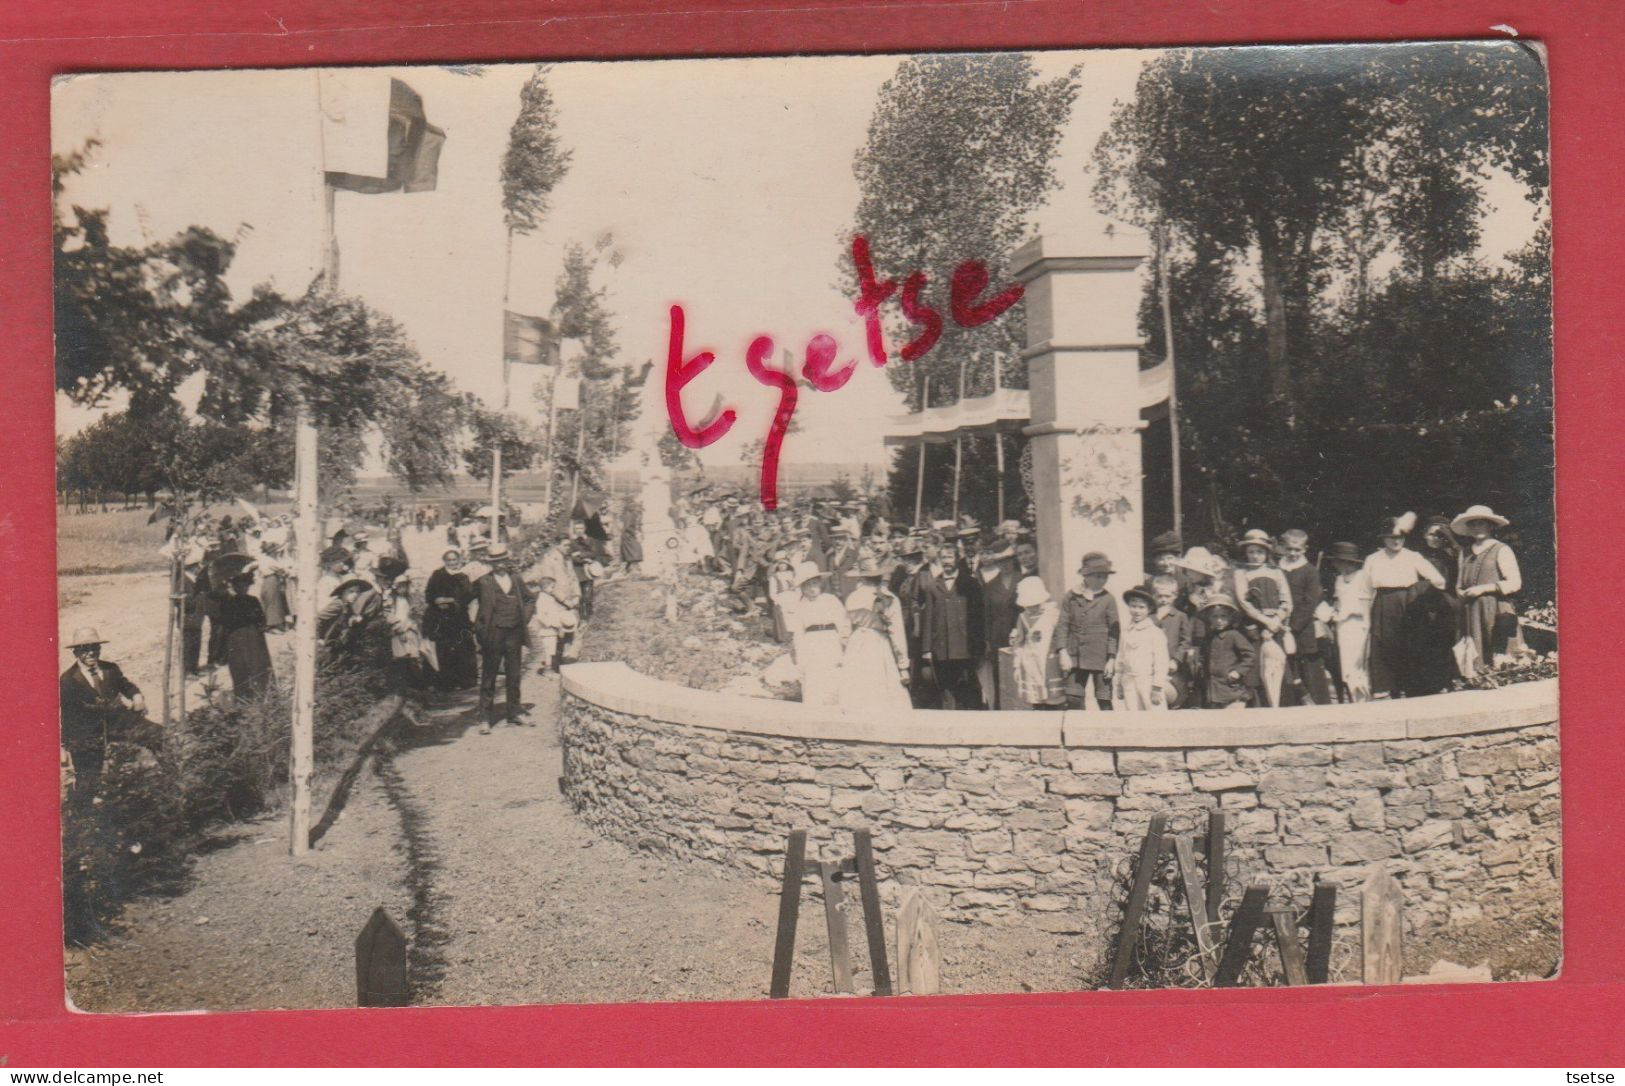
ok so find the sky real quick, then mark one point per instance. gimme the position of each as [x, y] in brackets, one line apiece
[726, 186]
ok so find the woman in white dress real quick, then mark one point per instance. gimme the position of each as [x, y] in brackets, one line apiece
[1037, 672]
[869, 675]
[819, 627]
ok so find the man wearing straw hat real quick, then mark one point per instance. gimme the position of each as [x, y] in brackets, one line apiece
[98, 705]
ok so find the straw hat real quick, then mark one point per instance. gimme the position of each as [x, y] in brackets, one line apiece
[85, 635]
[1203, 561]
[1477, 512]
[1255, 537]
[497, 550]
[807, 571]
[1030, 592]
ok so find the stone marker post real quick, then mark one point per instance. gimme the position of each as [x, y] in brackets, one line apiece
[1083, 362]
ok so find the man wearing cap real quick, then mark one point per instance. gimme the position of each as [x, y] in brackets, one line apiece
[98, 705]
[501, 625]
[1087, 633]
[843, 559]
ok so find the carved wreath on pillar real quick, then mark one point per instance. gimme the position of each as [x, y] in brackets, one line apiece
[1099, 473]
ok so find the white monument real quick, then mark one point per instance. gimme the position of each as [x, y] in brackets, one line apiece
[1083, 360]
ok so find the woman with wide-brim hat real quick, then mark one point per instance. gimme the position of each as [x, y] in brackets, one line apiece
[1488, 578]
[242, 622]
[1395, 571]
[819, 628]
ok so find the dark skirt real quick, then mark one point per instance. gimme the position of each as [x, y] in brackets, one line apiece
[249, 661]
[274, 598]
[1388, 644]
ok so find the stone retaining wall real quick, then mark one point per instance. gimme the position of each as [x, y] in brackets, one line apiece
[1005, 816]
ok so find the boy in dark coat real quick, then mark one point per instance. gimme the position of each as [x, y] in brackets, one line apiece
[1227, 658]
[1306, 672]
[1087, 633]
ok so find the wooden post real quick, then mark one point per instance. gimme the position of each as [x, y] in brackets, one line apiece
[1286, 940]
[380, 963]
[173, 627]
[1195, 902]
[496, 447]
[784, 945]
[840, 957]
[919, 471]
[873, 921]
[1165, 289]
[301, 753]
[1215, 864]
[1381, 924]
[998, 460]
[919, 961]
[1322, 908]
[1240, 940]
[1144, 868]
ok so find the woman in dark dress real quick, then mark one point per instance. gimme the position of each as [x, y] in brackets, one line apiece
[445, 622]
[242, 623]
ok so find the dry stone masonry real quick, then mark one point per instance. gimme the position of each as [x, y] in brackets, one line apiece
[1004, 817]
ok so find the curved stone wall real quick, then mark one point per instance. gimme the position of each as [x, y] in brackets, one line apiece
[1008, 815]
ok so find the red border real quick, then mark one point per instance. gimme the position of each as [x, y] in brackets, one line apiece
[1569, 1022]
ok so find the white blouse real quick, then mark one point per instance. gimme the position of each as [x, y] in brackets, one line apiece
[1401, 570]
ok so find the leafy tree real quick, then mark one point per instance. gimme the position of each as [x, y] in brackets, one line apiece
[535, 161]
[519, 445]
[1310, 159]
[960, 155]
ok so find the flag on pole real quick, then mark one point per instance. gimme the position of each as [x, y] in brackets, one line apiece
[527, 340]
[375, 137]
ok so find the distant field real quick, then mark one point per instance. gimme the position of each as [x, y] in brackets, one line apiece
[118, 541]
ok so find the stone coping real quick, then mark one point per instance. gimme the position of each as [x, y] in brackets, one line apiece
[616, 687]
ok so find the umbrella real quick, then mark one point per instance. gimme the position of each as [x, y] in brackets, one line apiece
[485, 511]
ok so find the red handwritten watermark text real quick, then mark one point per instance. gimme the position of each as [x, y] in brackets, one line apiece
[966, 306]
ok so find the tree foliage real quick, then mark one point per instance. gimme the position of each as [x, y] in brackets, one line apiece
[960, 154]
[959, 157]
[1316, 159]
[535, 161]
[518, 440]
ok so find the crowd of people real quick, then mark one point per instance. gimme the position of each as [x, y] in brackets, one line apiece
[952, 616]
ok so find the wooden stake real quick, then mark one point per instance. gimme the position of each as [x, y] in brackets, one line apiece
[1381, 924]
[1240, 939]
[380, 963]
[1144, 868]
[784, 945]
[919, 961]
[840, 957]
[873, 921]
[1195, 902]
[1322, 910]
[1286, 939]
[1215, 864]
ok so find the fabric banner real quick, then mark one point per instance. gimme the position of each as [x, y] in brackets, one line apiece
[375, 137]
[527, 340]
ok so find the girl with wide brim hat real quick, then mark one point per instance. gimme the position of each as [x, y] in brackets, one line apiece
[1477, 512]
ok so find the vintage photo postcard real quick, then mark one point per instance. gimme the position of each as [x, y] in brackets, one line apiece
[806, 526]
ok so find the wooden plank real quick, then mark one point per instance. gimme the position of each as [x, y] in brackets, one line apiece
[1195, 902]
[874, 922]
[1215, 864]
[380, 963]
[919, 961]
[1322, 910]
[1134, 909]
[1381, 920]
[1286, 939]
[784, 945]
[1240, 939]
[840, 957]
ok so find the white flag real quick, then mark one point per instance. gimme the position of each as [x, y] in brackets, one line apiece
[355, 121]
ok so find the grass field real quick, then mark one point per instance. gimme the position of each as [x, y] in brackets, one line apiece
[117, 541]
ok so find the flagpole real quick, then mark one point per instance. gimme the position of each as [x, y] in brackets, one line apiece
[496, 446]
[919, 471]
[307, 533]
[1173, 384]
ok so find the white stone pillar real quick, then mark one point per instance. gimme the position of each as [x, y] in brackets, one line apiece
[1082, 354]
[659, 535]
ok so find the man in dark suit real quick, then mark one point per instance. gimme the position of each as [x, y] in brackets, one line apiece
[99, 705]
[501, 625]
[997, 576]
[949, 638]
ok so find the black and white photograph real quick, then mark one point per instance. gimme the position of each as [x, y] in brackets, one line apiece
[806, 527]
